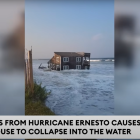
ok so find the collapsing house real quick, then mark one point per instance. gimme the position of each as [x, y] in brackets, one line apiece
[69, 60]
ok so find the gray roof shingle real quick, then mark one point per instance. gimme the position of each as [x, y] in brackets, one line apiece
[69, 54]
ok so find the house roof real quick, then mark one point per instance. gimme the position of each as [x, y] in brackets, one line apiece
[70, 53]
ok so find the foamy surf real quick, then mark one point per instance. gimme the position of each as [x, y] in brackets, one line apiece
[79, 92]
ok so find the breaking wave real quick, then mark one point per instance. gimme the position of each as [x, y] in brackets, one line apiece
[101, 60]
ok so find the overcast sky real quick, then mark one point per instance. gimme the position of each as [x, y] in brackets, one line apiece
[69, 25]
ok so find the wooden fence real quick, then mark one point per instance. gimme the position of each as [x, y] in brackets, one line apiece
[29, 72]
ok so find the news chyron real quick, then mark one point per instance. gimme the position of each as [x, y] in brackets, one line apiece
[69, 69]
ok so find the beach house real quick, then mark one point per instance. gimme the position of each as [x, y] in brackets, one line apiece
[69, 60]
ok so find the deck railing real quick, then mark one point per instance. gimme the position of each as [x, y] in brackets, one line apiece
[86, 62]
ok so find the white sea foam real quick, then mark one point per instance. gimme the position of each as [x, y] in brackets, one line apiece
[107, 60]
[79, 92]
[99, 60]
[95, 60]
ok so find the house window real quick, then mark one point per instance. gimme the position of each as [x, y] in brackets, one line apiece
[78, 67]
[78, 59]
[65, 59]
[65, 67]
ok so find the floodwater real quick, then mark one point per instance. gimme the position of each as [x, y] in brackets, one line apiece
[79, 92]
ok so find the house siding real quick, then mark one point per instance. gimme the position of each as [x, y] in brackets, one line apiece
[58, 60]
[72, 63]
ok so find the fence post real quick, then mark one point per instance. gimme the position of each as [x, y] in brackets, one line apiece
[25, 76]
[32, 81]
[30, 69]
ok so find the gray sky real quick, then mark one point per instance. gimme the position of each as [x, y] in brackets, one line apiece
[76, 26]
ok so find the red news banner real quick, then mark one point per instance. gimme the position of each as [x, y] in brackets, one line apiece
[69, 127]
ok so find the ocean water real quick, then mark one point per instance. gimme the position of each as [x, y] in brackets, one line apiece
[79, 92]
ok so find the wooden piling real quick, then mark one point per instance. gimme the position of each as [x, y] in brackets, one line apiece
[25, 76]
[29, 72]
